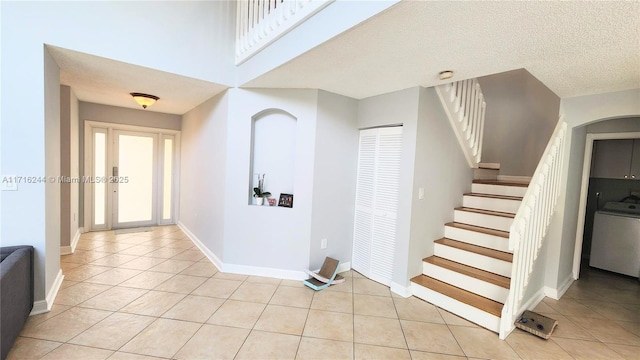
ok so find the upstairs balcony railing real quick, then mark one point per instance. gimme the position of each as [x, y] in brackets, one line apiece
[261, 22]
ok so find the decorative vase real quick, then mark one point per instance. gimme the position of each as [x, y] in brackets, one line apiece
[259, 201]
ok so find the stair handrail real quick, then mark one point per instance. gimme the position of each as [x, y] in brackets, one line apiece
[530, 225]
[464, 105]
[261, 22]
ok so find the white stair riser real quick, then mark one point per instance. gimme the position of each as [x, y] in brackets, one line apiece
[454, 306]
[486, 263]
[484, 220]
[498, 190]
[493, 204]
[477, 238]
[485, 174]
[469, 283]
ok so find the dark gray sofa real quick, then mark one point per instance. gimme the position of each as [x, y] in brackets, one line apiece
[16, 293]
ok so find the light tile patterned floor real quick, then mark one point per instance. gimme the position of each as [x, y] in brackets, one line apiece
[152, 295]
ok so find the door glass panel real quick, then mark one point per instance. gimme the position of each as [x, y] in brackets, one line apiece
[99, 169]
[135, 178]
[167, 185]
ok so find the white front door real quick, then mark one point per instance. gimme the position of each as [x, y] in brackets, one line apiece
[131, 177]
[134, 179]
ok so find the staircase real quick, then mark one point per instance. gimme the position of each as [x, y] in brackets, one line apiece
[469, 273]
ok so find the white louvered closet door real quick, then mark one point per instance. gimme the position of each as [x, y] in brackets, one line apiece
[377, 202]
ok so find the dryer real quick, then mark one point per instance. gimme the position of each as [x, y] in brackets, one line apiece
[615, 244]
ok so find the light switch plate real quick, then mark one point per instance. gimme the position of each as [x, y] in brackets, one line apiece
[420, 193]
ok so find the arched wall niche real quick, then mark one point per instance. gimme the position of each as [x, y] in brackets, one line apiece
[273, 152]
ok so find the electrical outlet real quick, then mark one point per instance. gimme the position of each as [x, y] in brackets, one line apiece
[323, 244]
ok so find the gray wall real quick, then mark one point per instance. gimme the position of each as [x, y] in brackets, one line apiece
[577, 112]
[610, 189]
[334, 178]
[203, 172]
[400, 107]
[268, 237]
[69, 165]
[520, 117]
[441, 169]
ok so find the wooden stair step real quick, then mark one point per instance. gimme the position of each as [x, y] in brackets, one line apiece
[517, 198]
[487, 212]
[479, 274]
[469, 298]
[501, 182]
[479, 229]
[500, 255]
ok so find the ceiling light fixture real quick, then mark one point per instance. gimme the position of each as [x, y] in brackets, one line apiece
[444, 75]
[144, 99]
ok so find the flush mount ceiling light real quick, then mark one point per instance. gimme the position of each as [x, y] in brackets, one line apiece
[444, 75]
[144, 99]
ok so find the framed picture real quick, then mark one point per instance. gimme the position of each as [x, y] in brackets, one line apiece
[286, 200]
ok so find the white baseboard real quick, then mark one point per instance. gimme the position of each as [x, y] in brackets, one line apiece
[404, 291]
[556, 294]
[68, 250]
[248, 269]
[43, 306]
[264, 271]
[525, 179]
[208, 253]
[65, 250]
[76, 238]
[533, 301]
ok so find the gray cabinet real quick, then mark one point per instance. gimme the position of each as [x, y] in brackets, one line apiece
[616, 159]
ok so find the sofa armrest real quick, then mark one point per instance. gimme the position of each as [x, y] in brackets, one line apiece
[16, 294]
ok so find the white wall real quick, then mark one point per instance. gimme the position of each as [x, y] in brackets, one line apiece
[98, 28]
[336, 18]
[520, 117]
[268, 237]
[334, 182]
[441, 169]
[203, 172]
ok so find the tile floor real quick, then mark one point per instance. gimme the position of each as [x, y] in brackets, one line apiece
[153, 295]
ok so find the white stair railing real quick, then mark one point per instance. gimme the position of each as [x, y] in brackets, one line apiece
[465, 107]
[531, 223]
[261, 22]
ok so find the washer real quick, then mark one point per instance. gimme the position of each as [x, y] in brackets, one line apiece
[615, 244]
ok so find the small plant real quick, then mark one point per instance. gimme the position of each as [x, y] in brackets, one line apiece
[258, 192]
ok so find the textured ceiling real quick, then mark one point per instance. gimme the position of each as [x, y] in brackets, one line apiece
[574, 48]
[104, 81]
